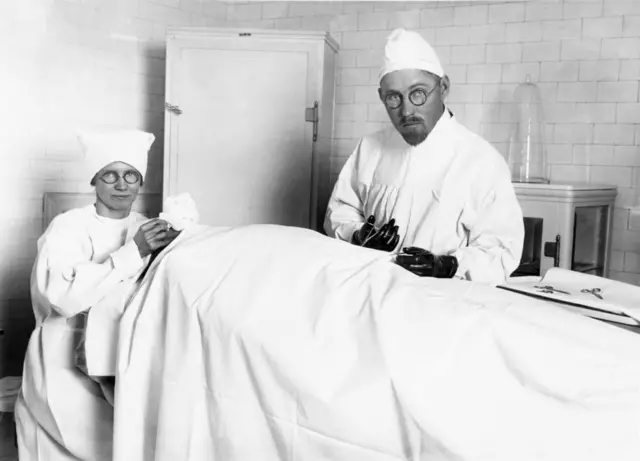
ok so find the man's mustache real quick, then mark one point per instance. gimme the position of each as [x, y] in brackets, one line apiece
[411, 119]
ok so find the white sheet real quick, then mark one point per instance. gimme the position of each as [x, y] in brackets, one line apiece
[268, 343]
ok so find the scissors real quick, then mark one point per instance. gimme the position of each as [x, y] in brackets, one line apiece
[550, 289]
[594, 291]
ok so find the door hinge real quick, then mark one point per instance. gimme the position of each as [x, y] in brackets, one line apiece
[311, 115]
[552, 250]
[175, 109]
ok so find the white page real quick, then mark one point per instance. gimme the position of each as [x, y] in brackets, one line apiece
[617, 297]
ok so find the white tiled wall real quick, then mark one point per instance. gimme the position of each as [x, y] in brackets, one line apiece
[66, 64]
[583, 54]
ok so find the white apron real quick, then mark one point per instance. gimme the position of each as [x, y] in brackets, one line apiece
[61, 414]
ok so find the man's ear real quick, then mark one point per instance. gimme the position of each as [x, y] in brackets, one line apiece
[445, 84]
[380, 94]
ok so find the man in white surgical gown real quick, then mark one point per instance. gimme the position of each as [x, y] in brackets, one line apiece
[447, 189]
[85, 256]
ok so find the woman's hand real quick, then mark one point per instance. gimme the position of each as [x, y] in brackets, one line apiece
[154, 235]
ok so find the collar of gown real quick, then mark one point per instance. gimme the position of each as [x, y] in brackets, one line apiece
[112, 222]
[438, 135]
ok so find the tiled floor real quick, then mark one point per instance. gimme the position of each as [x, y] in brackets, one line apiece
[8, 450]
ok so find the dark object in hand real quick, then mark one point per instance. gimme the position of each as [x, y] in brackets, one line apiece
[384, 239]
[425, 264]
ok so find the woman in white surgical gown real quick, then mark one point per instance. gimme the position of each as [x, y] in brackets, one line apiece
[61, 413]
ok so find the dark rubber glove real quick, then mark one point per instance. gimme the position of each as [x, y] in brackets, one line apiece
[425, 264]
[362, 234]
[384, 239]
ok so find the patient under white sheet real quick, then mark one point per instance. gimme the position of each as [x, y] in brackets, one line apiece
[270, 343]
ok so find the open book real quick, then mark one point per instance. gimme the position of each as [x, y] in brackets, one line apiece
[589, 295]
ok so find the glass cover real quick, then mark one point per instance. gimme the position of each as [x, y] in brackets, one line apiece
[527, 155]
[590, 239]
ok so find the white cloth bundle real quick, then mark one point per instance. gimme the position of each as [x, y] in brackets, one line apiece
[180, 211]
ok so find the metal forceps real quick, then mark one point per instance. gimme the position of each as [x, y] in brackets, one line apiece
[594, 291]
[550, 289]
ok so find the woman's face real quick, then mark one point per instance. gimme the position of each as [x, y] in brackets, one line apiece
[117, 186]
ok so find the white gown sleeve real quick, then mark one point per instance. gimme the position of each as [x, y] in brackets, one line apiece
[345, 211]
[496, 232]
[66, 277]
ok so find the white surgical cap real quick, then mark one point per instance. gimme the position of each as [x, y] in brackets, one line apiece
[127, 146]
[408, 50]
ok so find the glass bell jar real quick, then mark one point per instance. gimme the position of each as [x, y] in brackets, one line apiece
[527, 153]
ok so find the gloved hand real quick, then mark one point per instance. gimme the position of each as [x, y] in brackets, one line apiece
[425, 264]
[384, 239]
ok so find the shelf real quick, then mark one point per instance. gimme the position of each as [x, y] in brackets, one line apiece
[588, 267]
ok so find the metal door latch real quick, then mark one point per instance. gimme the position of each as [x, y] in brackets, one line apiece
[311, 115]
[175, 109]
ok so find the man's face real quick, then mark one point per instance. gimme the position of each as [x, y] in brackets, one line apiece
[414, 121]
[117, 186]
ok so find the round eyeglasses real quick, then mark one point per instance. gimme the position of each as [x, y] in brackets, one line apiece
[417, 97]
[111, 177]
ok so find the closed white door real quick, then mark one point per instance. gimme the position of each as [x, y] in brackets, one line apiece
[241, 146]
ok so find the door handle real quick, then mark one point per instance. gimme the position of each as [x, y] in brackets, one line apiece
[552, 250]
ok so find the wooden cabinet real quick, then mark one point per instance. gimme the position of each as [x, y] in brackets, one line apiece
[566, 225]
[248, 124]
